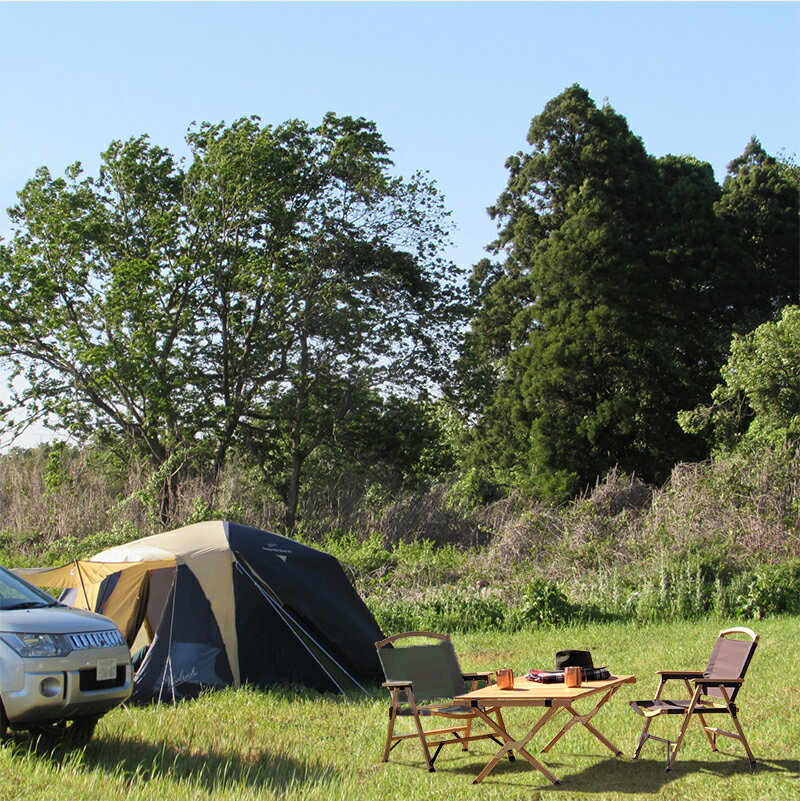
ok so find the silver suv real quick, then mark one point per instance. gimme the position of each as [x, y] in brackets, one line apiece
[57, 664]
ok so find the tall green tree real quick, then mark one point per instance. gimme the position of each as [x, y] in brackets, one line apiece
[589, 332]
[760, 203]
[169, 309]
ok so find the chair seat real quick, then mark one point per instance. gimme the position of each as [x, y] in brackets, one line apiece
[665, 707]
[445, 710]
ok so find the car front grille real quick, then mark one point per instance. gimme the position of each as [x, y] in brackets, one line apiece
[96, 639]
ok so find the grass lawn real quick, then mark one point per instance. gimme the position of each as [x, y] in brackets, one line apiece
[248, 744]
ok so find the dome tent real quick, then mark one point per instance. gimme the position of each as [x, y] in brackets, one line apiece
[219, 604]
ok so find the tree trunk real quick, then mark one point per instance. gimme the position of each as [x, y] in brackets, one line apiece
[293, 489]
[296, 444]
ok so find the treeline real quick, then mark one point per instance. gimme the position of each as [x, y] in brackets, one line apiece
[271, 332]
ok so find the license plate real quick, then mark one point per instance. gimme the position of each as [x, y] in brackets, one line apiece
[106, 669]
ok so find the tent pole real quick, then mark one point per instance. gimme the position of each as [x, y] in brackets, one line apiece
[168, 663]
[83, 586]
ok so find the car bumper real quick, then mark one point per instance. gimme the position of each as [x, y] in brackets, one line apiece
[67, 694]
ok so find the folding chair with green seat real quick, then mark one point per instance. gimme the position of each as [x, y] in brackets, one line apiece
[715, 692]
[418, 674]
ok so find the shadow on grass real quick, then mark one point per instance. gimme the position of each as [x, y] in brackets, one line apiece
[641, 777]
[209, 769]
[647, 775]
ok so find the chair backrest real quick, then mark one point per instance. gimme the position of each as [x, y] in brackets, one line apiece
[432, 667]
[730, 659]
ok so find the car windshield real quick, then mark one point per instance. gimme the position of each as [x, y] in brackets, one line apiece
[18, 594]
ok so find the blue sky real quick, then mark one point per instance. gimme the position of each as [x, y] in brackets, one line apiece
[452, 86]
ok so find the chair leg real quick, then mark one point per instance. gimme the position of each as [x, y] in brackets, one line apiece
[671, 757]
[467, 732]
[644, 735]
[684, 727]
[744, 740]
[426, 752]
[712, 739]
[642, 738]
[390, 731]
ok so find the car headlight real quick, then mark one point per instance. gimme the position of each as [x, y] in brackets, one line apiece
[37, 645]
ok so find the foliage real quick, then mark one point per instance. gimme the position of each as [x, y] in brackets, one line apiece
[361, 556]
[720, 538]
[448, 610]
[760, 202]
[177, 312]
[673, 590]
[68, 549]
[618, 281]
[585, 322]
[758, 403]
[54, 476]
[774, 589]
[541, 604]
[396, 444]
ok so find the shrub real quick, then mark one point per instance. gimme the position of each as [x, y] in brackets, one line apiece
[361, 557]
[677, 591]
[67, 549]
[542, 604]
[772, 590]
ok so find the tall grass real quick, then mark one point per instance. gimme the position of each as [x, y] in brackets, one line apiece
[719, 538]
[284, 745]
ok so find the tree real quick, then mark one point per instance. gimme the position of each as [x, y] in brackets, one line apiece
[760, 202]
[169, 309]
[758, 402]
[591, 330]
[382, 445]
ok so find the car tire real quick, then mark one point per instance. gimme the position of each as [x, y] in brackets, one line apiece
[3, 722]
[82, 730]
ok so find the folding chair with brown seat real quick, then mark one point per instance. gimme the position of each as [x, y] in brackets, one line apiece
[715, 692]
[417, 674]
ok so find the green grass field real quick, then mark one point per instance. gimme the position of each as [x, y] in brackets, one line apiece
[248, 744]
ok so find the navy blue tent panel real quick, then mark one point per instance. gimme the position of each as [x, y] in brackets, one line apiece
[270, 652]
[314, 591]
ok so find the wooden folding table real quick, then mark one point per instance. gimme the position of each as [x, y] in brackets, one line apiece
[553, 697]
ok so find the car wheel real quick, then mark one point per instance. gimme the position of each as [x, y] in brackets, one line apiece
[3, 722]
[47, 731]
[81, 730]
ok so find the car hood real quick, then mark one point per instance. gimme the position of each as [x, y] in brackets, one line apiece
[53, 620]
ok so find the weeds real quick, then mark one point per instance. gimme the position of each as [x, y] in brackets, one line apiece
[719, 538]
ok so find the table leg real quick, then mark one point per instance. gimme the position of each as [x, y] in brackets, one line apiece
[584, 719]
[515, 745]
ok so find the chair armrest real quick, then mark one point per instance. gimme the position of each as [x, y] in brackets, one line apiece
[703, 682]
[482, 674]
[679, 674]
[391, 684]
